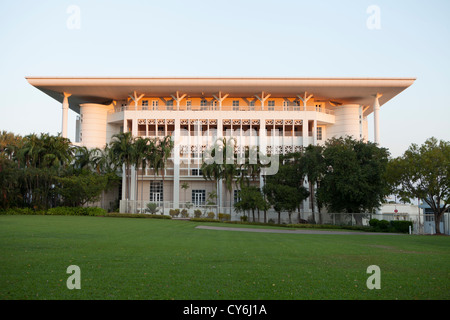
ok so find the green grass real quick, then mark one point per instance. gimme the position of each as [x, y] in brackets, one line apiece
[125, 258]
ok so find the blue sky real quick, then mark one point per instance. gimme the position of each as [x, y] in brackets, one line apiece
[230, 38]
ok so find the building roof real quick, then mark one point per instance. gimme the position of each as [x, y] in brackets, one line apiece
[106, 89]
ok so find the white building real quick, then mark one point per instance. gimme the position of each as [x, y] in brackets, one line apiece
[302, 110]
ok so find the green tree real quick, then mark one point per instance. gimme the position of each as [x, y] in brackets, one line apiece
[285, 190]
[250, 199]
[355, 180]
[142, 148]
[424, 173]
[185, 186]
[314, 167]
[221, 164]
[78, 190]
[122, 148]
[164, 148]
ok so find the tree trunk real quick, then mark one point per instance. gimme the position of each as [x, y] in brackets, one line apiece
[311, 195]
[358, 218]
[231, 191]
[320, 215]
[437, 222]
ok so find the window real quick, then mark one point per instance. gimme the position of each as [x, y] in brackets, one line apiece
[155, 104]
[271, 105]
[169, 105]
[144, 103]
[237, 196]
[252, 105]
[203, 104]
[286, 105]
[197, 172]
[156, 191]
[319, 133]
[214, 104]
[198, 197]
[235, 105]
[296, 105]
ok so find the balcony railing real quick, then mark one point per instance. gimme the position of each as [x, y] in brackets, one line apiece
[224, 108]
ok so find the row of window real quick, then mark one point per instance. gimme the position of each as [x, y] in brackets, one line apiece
[198, 196]
[235, 104]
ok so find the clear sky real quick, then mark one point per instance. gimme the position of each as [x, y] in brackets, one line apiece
[320, 38]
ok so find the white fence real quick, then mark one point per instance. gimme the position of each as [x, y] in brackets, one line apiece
[422, 224]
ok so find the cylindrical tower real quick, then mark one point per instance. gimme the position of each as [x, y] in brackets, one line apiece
[348, 122]
[94, 129]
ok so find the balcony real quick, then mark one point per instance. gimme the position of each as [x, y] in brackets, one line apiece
[224, 108]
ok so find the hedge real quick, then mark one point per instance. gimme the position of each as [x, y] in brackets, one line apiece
[137, 215]
[62, 211]
[390, 226]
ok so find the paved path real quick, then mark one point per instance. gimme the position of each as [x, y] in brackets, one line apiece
[294, 231]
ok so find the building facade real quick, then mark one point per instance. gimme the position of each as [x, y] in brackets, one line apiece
[279, 115]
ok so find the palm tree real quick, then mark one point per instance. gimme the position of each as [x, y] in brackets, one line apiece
[185, 186]
[163, 151]
[122, 148]
[314, 167]
[139, 153]
[144, 152]
[224, 165]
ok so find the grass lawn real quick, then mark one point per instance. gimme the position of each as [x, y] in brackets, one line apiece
[126, 258]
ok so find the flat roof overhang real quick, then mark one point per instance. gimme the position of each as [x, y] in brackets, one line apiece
[104, 90]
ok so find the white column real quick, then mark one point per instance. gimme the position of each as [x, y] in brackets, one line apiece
[262, 99]
[304, 99]
[305, 132]
[314, 130]
[376, 118]
[136, 99]
[262, 143]
[220, 99]
[176, 166]
[133, 183]
[65, 114]
[178, 98]
[124, 204]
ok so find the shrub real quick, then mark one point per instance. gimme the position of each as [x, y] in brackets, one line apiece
[137, 215]
[224, 216]
[184, 213]
[76, 211]
[373, 222]
[211, 215]
[244, 218]
[174, 212]
[197, 213]
[152, 208]
[21, 211]
[401, 226]
[379, 225]
[204, 220]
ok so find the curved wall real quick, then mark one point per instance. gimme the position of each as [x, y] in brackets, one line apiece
[94, 128]
[347, 122]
